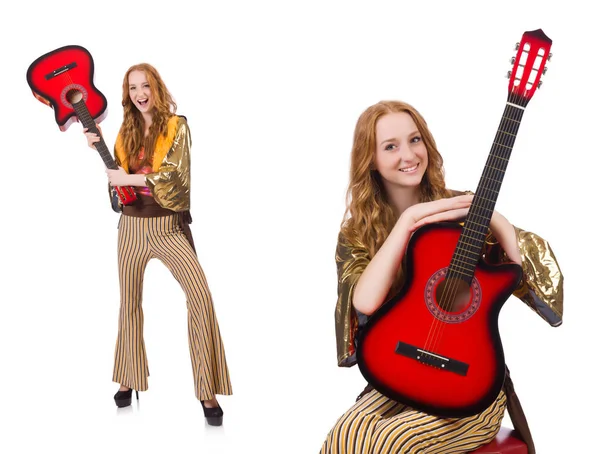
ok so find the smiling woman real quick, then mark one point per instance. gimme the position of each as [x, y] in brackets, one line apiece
[153, 154]
[396, 185]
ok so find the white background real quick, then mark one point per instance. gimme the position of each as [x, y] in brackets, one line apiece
[272, 92]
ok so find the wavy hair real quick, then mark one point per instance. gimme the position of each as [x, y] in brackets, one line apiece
[369, 217]
[132, 128]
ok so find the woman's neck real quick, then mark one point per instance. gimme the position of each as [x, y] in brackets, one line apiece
[402, 198]
[147, 122]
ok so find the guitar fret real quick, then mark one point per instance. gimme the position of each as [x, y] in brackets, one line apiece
[507, 133]
[508, 118]
[472, 259]
[504, 146]
[477, 232]
[470, 237]
[487, 218]
[485, 198]
[468, 252]
[494, 180]
[481, 225]
[492, 167]
[490, 189]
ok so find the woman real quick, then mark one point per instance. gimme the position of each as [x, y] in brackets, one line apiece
[153, 154]
[396, 186]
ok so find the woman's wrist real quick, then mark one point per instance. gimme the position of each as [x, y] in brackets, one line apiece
[134, 180]
[504, 232]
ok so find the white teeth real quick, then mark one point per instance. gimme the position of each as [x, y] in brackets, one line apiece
[409, 169]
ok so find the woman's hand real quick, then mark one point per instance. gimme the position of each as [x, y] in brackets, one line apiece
[118, 177]
[450, 209]
[456, 208]
[377, 278]
[92, 137]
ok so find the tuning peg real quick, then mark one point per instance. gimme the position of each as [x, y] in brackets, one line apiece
[517, 46]
[508, 74]
[513, 60]
[550, 56]
[540, 83]
[544, 70]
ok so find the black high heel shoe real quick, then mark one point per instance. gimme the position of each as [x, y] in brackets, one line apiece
[123, 398]
[214, 416]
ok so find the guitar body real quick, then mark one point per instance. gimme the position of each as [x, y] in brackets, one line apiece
[414, 317]
[64, 80]
[51, 86]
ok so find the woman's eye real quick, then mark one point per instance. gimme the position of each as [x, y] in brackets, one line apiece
[389, 147]
[416, 139]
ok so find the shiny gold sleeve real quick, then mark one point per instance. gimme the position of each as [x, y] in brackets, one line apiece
[170, 185]
[542, 284]
[351, 261]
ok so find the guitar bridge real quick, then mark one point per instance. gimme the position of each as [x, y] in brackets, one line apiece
[60, 70]
[432, 359]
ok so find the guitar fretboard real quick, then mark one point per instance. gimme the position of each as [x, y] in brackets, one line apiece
[470, 244]
[84, 116]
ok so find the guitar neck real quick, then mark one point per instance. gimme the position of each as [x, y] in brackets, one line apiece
[86, 119]
[470, 243]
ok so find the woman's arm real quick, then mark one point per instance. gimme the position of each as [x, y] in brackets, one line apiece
[116, 177]
[170, 184]
[504, 232]
[121, 178]
[378, 277]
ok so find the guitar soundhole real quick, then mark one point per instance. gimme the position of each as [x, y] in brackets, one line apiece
[74, 96]
[453, 295]
[73, 93]
[451, 300]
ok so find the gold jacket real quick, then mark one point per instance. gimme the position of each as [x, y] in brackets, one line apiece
[170, 181]
[541, 287]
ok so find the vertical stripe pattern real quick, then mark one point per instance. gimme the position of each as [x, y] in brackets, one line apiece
[141, 239]
[378, 425]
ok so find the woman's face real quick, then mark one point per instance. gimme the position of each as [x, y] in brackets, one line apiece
[139, 91]
[400, 155]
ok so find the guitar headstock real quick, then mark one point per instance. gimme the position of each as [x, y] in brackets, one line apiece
[533, 51]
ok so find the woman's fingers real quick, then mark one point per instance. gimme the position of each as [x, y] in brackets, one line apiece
[449, 215]
[423, 210]
[92, 137]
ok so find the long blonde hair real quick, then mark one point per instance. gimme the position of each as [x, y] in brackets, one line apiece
[132, 128]
[369, 217]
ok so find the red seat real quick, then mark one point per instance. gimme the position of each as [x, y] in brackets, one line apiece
[506, 442]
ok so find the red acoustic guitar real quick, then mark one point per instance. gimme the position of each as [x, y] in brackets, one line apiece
[435, 346]
[64, 80]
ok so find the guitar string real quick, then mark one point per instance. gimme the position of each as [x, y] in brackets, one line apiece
[123, 192]
[452, 279]
[492, 168]
[486, 185]
[86, 117]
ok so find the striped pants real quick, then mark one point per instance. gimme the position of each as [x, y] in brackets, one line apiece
[379, 425]
[141, 239]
